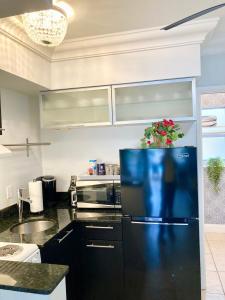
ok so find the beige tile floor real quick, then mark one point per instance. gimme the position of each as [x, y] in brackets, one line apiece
[215, 266]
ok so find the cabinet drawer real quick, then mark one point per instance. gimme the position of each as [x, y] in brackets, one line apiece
[101, 231]
[102, 270]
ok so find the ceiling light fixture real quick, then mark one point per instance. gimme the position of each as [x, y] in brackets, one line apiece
[47, 27]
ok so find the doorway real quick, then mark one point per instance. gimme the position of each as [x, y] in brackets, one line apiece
[213, 164]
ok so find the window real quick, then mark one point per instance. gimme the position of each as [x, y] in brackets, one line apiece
[213, 125]
[213, 147]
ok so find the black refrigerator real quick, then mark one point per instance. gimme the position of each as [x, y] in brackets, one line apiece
[159, 195]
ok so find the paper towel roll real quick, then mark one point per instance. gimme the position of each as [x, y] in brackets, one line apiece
[36, 196]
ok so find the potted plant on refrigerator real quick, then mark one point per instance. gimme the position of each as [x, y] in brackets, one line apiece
[161, 134]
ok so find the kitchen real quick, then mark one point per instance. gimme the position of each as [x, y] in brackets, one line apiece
[140, 58]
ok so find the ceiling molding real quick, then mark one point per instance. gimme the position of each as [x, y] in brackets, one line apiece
[12, 28]
[132, 41]
[111, 44]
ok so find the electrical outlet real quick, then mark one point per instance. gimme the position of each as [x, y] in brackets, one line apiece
[9, 192]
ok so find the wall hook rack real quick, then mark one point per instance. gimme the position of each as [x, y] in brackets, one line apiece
[27, 145]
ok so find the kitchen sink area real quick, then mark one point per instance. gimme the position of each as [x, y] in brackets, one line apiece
[32, 226]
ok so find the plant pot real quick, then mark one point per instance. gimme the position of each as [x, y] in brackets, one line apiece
[158, 143]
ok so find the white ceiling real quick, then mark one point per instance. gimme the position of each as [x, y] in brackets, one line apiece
[96, 17]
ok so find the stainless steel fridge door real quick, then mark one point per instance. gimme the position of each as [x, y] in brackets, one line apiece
[161, 260]
[159, 182]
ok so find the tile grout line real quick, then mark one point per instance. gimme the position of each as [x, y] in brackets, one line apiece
[210, 250]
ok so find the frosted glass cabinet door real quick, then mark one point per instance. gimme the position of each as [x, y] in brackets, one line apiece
[143, 102]
[79, 107]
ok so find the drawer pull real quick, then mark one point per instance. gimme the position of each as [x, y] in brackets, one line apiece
[65, 236]
[99, 227]
[100, 246]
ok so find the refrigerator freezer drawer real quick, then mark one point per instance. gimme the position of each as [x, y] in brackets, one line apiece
[162, 261]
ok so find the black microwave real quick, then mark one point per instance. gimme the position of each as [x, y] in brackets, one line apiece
[98, 194]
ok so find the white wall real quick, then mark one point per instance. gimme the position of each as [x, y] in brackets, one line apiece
[25, 63]
[213, 70]
[71, 149]
[20, 115]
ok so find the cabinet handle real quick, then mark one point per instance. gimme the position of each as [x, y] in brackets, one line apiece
[65, 236]
[99, 227]
[100, 246]
[2, 129]
[158, 223]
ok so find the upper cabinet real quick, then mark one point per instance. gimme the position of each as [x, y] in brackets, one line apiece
[120, 104]
[149, 101]
[79, 107]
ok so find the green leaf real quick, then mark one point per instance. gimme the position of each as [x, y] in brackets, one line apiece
[215, 169]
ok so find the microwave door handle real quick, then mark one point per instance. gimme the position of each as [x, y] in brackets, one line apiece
[73, 199]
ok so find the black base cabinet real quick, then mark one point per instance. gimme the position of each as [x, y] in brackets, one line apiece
[102, 269]
[64, 249]
[93, 252]
[101, 261]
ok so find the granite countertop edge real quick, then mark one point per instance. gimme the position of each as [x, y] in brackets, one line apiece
[33, 285]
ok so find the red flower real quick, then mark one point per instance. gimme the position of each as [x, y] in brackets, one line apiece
[163, 132]
[166, 123]
[149, 142]
[171, 122]
[168, 141]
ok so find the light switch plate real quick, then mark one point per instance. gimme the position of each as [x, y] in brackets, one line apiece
[9, 192]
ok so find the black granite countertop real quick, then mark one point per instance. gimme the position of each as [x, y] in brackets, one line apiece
[31, 278]
[61, 215]
[41, 278]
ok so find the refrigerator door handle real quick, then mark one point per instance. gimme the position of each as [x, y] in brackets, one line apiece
[100, 246]
[158, 223]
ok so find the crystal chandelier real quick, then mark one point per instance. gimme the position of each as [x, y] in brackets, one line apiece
[46, 27]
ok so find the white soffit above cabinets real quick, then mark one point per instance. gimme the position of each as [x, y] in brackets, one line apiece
[18, 53]
[17, 7]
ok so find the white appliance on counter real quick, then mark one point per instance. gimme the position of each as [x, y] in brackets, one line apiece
[20, 252]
